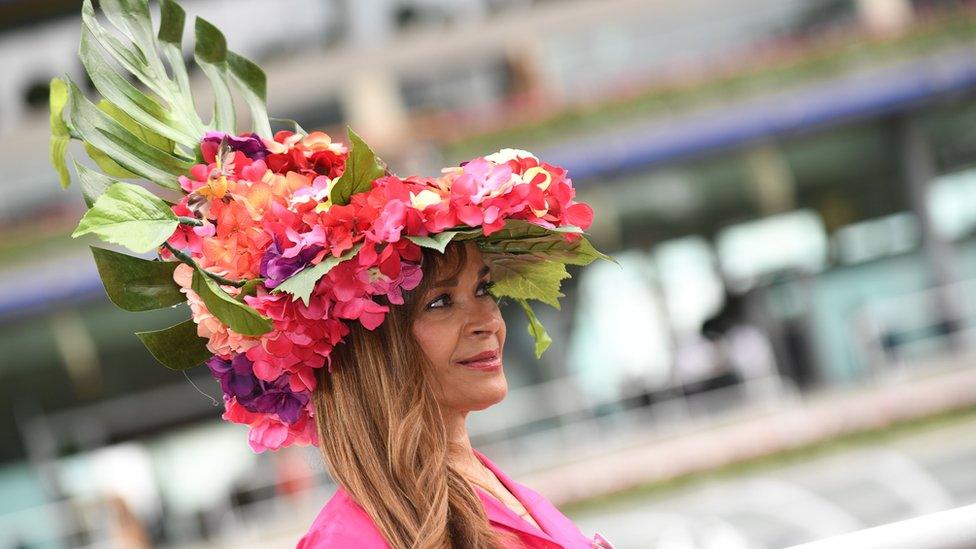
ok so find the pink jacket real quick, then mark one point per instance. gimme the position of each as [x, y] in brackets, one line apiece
[343, 523]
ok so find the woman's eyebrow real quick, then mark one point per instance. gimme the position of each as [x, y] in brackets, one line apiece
[453, 281]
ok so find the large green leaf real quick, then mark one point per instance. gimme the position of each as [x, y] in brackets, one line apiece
[521, 276]
[109, 136]
[60, 134]
[171, 21]
[172, 18]
[132, 18]
[104, 162]
[252, 83]
[553, 247]
[93, 184]
[137, 284]
[177, 347]
[130, 216]
[519, 228]
[236, 315]
[301, 284]
[211, 55]
[438, 241]
[536, 329]
[138, 106]
[107, 165]
[362, 168]
[131, 59]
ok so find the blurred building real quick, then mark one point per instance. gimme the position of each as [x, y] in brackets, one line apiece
[787, 185]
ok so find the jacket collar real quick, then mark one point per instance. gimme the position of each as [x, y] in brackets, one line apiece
[501, 514]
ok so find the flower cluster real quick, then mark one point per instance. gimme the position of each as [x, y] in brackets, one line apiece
[264, 212]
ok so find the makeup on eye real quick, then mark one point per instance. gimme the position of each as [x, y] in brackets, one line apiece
[486, 284]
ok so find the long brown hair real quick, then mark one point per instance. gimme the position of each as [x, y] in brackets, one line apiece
[381, 433]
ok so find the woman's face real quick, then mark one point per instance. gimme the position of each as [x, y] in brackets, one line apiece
[461, 330]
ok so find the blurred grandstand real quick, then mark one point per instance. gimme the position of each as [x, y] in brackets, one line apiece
[789, 186]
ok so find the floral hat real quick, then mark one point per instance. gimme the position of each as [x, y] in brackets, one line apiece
[277, 240]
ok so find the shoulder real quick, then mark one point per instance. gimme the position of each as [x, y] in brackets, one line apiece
[342, 523]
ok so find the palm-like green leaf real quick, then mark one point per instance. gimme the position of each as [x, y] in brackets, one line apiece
[120, 138]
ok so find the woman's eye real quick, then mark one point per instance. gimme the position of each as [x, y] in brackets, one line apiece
[485, 287]
[442, 300]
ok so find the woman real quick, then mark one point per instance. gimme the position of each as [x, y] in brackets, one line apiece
[391, 421]
[293, 253]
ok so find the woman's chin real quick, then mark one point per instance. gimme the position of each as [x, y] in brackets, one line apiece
[490, 393]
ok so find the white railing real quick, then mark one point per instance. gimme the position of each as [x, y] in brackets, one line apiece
[952, 529]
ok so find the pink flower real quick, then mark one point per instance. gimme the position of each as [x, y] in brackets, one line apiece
[387, 227]
[481, 178]
[267, 434]
[369, 313]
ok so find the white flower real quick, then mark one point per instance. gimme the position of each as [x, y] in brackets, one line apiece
[505, 155]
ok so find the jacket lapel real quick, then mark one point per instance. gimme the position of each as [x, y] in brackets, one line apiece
[499, 513]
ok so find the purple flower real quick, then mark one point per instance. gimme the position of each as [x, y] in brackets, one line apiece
[278, 398]
[275, 268]
[237, 379]
[251, 146]
[236, 376]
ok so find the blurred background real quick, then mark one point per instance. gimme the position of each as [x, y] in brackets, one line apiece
[785, 353]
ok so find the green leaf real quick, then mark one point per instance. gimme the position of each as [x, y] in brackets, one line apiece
[536, 329]
[177, 347]
[141, 132]
[252, 83]
[438, 241]
[519, 228]
[301, 284]
[107, 165]
[59, 148]
[137, 284]
[295, 126]
[467, 233]
[130, 216]
[249, 288]
[93, 184]
[60, 134]
[109, 136]
[171, 21]
[211, 46]
[131, 60]
[552, 247]
[142, 110]
[526, 277]
[236, 315]
[132, 18]
[362, 168]
[211, 55]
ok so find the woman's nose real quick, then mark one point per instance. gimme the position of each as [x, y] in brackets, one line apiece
[485, 318]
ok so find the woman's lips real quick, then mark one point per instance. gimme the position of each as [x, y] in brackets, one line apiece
[492, 362]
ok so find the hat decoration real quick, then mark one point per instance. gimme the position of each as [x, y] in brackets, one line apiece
[277, 240]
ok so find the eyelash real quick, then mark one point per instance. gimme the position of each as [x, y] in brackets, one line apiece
[486, 286]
